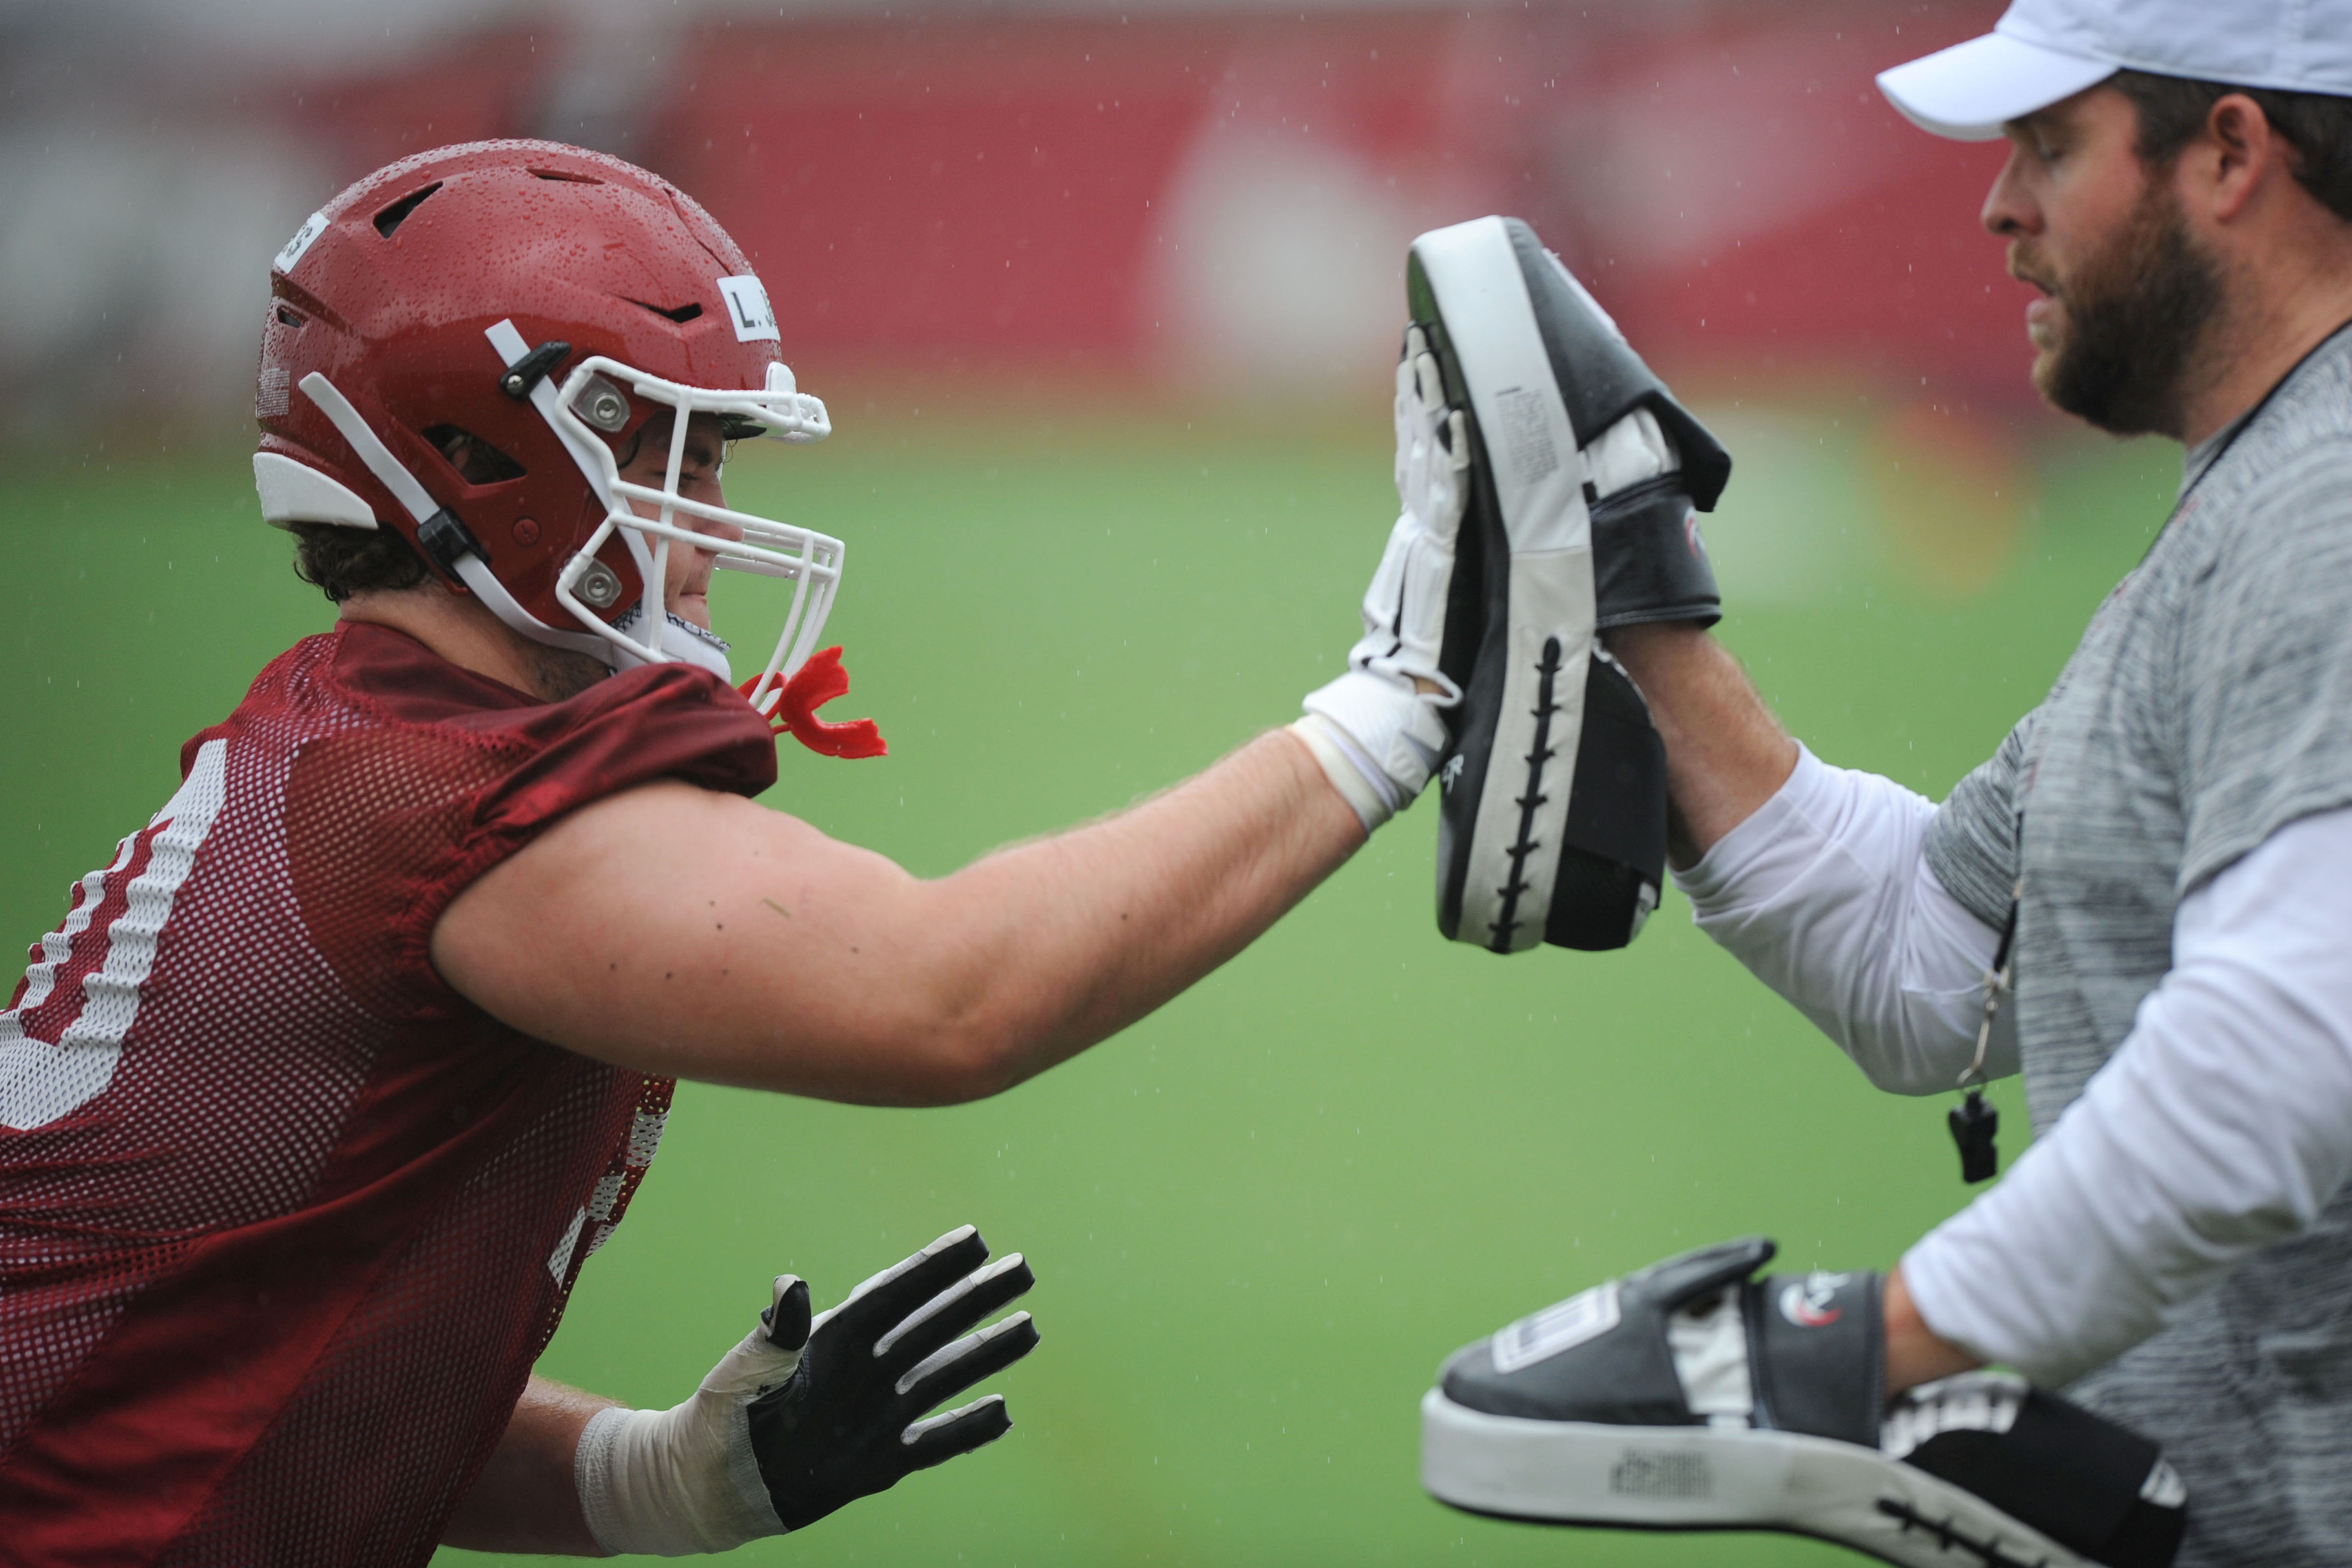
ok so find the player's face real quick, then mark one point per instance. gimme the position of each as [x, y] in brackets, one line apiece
[2126, 290]
[688, 592]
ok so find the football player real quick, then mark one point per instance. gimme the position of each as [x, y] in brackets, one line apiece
[316, 1101]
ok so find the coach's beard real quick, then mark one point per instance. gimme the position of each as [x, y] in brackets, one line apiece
[2133, 319]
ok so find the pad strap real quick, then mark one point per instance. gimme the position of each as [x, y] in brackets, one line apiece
[1648, 560]
[1818, 1353]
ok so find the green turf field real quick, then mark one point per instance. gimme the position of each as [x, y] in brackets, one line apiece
[1260, 1218]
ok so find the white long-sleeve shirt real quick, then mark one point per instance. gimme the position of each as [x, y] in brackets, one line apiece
[2224, 1122]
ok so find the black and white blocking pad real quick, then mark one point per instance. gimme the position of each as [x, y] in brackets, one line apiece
[1553, 817]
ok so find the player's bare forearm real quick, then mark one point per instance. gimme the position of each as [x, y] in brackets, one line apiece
[1725, 753]
[525, 1499]
[1095, 928]
[671, 930]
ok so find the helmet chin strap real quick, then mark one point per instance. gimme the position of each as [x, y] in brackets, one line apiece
[484, 585]
[680, 638]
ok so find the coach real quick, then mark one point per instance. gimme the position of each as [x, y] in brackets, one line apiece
[2170, 831]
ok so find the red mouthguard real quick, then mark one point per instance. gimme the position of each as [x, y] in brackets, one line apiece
[792, 706]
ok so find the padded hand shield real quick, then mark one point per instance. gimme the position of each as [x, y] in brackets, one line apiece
[1696, 1394]
[1584, 476]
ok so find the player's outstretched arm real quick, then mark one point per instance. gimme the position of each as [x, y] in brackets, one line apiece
[676, 931]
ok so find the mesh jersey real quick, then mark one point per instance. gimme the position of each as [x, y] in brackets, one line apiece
[284, 1221]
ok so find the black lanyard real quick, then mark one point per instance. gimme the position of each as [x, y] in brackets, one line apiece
[1974, 1123]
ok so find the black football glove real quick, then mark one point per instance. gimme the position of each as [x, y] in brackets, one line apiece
[804, 1416]
[850, 1422]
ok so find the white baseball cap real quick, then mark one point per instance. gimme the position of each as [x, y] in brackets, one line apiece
[2044, 50]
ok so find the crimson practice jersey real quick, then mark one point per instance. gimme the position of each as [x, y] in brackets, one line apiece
[284, 1221]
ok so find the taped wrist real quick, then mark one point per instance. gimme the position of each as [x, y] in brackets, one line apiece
[1377, 738]
[671, 1483]
[1363, 786]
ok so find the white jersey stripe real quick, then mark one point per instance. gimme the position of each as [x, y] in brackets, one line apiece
[644, 1136]
[57, 947]
[606, 1193]
[559, 1262]
[41, 1082]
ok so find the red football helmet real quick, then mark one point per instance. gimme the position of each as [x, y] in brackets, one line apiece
[542, 303]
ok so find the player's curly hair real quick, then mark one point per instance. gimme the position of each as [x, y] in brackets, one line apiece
[2317, 125]
[340, 561]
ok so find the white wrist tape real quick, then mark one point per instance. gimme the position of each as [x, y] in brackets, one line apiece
[667, 1483]
[1377, 738]
[1364, 786]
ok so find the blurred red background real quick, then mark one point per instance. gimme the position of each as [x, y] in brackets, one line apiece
[1205, 193]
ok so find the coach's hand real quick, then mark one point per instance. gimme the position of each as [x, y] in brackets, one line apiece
[807, 1415]
[1376, 730]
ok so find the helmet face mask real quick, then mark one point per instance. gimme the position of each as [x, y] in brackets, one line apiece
[652, 520]
[460, 347]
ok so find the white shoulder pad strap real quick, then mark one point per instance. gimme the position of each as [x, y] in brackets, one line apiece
[294, 492]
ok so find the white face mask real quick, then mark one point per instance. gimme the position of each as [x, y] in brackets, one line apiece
[594, 397]
[589, 397]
